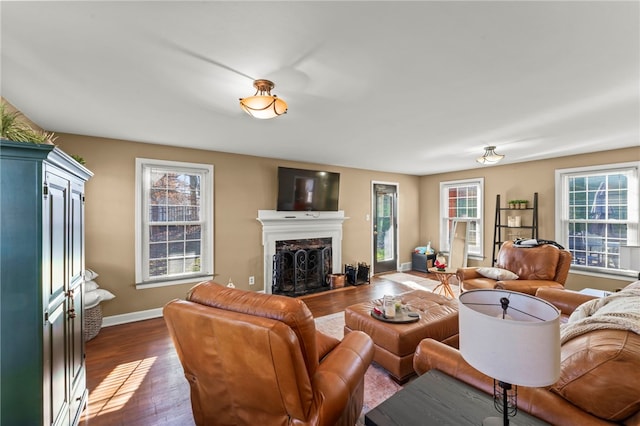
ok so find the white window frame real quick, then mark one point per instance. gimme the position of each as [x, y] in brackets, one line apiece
[474, 251]
[633, 214]
[142, 186]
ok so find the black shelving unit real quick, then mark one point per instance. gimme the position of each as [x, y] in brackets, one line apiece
[501, 232]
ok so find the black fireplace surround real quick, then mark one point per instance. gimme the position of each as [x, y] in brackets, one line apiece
[301, 266]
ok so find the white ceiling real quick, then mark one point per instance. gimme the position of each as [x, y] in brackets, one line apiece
[415, 87]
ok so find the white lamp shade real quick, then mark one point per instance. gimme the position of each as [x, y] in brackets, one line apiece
[523, 349]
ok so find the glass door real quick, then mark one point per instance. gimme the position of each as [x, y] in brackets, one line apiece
[385, 239]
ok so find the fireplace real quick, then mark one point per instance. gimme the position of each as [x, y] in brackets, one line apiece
[315, 236]
[301, 266]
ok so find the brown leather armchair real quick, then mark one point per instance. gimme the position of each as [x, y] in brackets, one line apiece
[599, 373]
[257, 359]
[536, 267]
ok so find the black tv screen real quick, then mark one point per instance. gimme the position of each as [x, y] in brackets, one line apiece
[307, 190]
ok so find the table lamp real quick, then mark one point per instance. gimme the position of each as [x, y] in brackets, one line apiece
[513, 338]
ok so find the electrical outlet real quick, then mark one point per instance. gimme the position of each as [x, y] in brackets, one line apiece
[252, 280]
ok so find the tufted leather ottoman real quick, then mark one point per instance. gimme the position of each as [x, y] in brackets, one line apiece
[395, 344]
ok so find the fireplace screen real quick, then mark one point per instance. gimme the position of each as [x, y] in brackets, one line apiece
[301, 266]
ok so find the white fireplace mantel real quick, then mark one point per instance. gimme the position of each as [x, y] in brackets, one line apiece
[282, 226]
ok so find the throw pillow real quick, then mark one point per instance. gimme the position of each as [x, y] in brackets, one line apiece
[498, 274]
[91, 299]
[105, 294]
[90, 275]
[90, 286]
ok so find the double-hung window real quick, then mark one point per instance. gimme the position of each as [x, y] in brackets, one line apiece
[596, 213]
[174, 222]
[462, 200]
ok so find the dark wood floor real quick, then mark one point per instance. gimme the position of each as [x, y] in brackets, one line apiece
[134, 376]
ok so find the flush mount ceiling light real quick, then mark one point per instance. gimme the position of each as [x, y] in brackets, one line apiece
[263, 104]
[490, 156]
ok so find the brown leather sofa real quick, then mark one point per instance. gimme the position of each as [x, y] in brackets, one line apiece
[536, 267]
[257, 359]
[600, 372]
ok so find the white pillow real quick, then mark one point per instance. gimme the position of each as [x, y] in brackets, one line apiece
[90, 275]
[90, 286]
[498, 274]
[91, 299]
[104, 294]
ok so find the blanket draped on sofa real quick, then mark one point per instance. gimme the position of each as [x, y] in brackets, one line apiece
[620, 311]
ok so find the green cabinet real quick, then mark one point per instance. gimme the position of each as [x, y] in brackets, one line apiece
[42, 362]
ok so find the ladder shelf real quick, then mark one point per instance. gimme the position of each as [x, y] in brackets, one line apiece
[527, 228]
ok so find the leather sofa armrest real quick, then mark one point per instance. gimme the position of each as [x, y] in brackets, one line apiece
[527, 286]
[325, 344]
[467, 273]
[431, 354]
[340, 373]
[553, 409]
[565, 300]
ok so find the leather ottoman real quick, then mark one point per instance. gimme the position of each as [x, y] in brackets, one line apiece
[395, 344]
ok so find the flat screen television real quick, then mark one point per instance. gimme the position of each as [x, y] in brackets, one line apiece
[307, 190]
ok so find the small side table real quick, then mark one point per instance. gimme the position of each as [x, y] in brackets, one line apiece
[443, 277]
[437, 399]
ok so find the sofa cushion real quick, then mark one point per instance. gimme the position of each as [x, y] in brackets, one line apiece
[497, 274]
[600, 356]
[600, 372]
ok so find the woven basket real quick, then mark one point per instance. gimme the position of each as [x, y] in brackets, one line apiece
[92, 322]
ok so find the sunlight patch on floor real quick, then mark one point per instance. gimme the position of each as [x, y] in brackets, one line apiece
[414, 285]
[118, 387]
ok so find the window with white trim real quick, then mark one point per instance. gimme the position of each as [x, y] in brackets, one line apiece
[174, 222]
[596, 213]
[462, 199]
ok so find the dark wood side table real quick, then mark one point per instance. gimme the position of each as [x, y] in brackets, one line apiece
[438, 399]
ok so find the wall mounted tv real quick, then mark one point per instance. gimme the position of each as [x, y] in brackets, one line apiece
[307, 190]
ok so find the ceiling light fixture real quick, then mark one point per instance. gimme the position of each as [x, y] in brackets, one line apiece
[490, 156]
[263, 104]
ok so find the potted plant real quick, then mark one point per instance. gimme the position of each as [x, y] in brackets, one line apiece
[523, 204]
[16, 130]
[513, 204]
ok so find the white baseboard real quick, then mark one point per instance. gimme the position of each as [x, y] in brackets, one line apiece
[405, 266]
[136, 316]
[131, 317]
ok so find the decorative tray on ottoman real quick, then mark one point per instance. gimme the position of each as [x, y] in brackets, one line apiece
[402, 317]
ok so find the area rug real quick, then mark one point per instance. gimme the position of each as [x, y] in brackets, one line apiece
[377, 384]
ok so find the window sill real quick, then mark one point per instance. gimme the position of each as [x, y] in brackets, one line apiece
[187, 280]
[609, 275]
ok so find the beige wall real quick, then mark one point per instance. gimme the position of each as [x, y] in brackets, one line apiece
[519, 181]
[243, 185]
